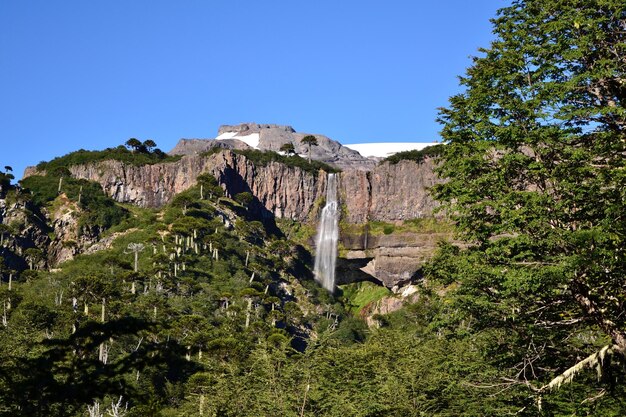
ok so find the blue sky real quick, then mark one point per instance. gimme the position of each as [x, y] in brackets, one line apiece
[91, 74]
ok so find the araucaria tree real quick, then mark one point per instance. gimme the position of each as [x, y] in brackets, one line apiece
[536, 160]
[309, 140]
[134, 144]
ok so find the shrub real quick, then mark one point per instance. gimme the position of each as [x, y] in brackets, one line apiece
[415, 155]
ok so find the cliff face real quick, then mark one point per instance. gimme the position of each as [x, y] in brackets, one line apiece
[387, 193]
[55, 235]
[280, 190]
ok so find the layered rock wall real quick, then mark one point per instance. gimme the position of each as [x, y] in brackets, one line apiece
[281, 191]
[387, 193]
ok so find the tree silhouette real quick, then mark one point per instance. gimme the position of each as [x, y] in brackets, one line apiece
[149, 144]
[309, 140]
[134, 144]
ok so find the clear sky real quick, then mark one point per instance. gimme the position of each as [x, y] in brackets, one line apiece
[91, 74]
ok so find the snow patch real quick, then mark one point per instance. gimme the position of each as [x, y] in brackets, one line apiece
[251, 139]
[226, 135]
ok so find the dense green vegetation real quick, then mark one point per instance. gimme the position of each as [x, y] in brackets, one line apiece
[6, 179]
[415, 155]
[198, 309]
[263, 158]
[98, 209]
[119, 153]
[535, 161]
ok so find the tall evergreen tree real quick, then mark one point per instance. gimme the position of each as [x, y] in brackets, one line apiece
[536, 168]
[309, 140]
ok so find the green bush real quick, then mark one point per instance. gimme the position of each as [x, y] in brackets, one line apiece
[415, 155]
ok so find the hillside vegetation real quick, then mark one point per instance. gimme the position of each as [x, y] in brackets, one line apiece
[200, 309]
[119, 153]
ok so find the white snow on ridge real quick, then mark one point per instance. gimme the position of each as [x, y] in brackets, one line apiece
[226, 135]
[385, 149]
[251, 139]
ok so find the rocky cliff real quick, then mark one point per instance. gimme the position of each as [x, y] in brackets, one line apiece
[280, 190]
[387, 193]
[56, 235]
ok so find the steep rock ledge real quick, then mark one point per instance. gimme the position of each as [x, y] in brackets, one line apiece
[388, 192]
[283, 191]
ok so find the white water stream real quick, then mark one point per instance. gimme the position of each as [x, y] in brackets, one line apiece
[327, 237]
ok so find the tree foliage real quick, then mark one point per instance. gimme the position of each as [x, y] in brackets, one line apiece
[309, 141]
[535, 161]
[288, 149]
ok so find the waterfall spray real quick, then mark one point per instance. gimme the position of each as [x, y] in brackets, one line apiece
[327, 237]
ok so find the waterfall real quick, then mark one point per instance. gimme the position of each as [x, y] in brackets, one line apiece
[327, 237]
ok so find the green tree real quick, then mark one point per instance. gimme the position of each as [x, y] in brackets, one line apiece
[208, 184]
[245, 199]
[5, 181]
[535, 162]
[288, 149]
[133, 143]
[34, 256]
[149, 144]
[309, 140]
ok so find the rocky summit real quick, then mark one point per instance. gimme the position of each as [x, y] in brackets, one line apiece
[270, 137]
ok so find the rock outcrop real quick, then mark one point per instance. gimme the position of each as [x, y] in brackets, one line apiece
[195, 146]
[57, 236]
[391, 260]
[271, 137]
[22, 230]
[389, 192]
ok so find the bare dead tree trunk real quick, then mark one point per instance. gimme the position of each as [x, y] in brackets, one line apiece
[4, 314]
[248, 310]
[306, 391]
